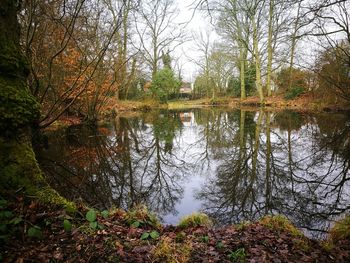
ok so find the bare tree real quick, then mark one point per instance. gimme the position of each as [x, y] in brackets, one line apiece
[124, 64]
[234, 26]
[332, 28]
[157, 31]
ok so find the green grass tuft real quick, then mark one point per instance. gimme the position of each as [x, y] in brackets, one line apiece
[280, 223]
[341, 229]
[194, 220]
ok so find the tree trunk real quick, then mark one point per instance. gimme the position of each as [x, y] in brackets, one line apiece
[269, 51]
[257, 61]
[294, 42]
[19, 111]
[242, 72]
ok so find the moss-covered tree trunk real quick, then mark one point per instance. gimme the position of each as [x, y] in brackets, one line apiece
[18, 112]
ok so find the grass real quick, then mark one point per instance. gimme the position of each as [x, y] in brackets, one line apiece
[195, 220]
[186, 104]
[238, 255]
[297, 99]
[280, 223]
[341, 229]
[143, 105]
[169, 251]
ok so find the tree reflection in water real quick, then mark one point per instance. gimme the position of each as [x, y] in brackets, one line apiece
[128, 162]
[250, 164]
[292, 166]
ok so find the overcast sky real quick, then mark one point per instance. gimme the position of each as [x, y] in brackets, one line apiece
[196, 22]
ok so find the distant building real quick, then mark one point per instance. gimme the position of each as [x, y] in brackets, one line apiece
[186, 90]
[147, 86]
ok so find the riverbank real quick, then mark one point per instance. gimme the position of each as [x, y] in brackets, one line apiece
[304, 102]
[33, 232]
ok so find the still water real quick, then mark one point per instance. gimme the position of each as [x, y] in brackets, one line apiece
[233, 165]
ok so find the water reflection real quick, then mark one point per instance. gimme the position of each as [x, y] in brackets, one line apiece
[128, 162]
[234, 165]
[284, 163]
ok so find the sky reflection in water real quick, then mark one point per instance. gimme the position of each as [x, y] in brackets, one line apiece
[233, 165]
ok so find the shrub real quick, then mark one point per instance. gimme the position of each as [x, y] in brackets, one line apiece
[293, 93]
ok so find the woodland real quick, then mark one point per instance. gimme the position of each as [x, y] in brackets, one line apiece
[65, 62]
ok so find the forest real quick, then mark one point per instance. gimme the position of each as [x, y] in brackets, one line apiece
[85, 56]
[174, 131]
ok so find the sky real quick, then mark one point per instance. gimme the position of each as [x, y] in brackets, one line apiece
[195, 23]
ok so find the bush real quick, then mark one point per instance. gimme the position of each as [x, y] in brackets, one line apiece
[293, 93]
[165, 85]
[300, 78]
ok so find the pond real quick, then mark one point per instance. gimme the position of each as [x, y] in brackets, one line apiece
[233, 165]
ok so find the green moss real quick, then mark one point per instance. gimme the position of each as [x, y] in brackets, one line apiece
[21, 171]
[194, 220]
[11, 59]
[50, 196]
[328, 245]
[18, 108]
